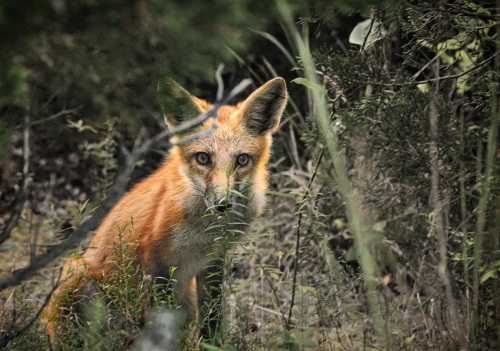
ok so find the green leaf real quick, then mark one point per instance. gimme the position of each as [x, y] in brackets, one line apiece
[488, 274]
[80, 126]
[424, 87]
[308, 84]
[367, 33]
[277, 43]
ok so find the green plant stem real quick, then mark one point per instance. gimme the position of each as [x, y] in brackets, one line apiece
[358, 220]
[298, 235]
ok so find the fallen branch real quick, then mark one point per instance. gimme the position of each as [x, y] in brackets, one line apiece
[115, 193]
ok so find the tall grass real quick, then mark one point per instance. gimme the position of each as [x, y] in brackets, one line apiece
[360, 222]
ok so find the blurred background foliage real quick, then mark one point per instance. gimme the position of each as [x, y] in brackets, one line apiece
[107, 56]
[100, 60]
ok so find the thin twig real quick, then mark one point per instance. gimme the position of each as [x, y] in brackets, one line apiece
[276, 299]
[368, 34]
[436, 79]
[19, 332]
[194, 137]
[54, 116]
[424, 67]
[297, 242]
[195, 122]
[431, 61]
[115, 193]
[20, 200]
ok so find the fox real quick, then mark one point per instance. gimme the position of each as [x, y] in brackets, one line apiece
[219, 168]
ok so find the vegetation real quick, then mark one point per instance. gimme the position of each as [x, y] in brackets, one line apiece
[383, 225]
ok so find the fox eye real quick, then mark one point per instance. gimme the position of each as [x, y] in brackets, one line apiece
[202, 158]
[242, 160]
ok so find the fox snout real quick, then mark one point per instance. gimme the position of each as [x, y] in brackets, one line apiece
[220, 197]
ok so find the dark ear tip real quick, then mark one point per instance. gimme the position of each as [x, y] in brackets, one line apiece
[277, 83]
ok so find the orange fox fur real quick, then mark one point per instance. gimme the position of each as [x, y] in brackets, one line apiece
[166, 208]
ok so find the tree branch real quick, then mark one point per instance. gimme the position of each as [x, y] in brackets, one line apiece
[115, 193]
[11, 335]
[436, 79]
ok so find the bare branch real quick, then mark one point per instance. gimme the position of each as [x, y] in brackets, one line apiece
[19, 332]
[196, 136]
[56, 115]
[298, 236]
[195, 122]
[115, 193]
[59, 114]
[441, 78]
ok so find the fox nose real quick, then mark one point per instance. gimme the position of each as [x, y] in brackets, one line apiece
[223, 205]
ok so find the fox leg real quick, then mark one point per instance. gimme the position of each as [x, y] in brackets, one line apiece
[189, 303]
[190, 300]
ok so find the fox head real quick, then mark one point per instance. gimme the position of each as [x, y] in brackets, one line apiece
[224, 161]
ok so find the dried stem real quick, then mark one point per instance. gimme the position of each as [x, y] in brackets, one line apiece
[298, 237]
[13, 334]
[437, 204]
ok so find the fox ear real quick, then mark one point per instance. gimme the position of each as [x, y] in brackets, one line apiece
[177, 104]
[262, 110]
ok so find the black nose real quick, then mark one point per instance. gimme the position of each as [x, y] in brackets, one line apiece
[222, 205]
